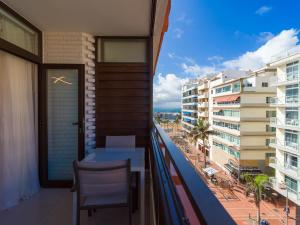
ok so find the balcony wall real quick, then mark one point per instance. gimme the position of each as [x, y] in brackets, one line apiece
[76, 48]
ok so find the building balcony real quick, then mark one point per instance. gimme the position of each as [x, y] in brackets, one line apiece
[283, 79]
[203, 95]
[195, 95]
[203, 86]
[203, 114]
[190, 117]
[191, 103]
[202, 104]
[226, 130]
[227, 118]
[290, 124]
[285, 168]
[284, 146]
[285, 102]
[277, 186]
[228, 105]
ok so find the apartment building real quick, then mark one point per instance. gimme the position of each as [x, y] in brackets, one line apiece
[239, 116]
[287, 126]
[203, 93]
[189, 103]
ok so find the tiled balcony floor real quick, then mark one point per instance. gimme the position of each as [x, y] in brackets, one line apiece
[54, 207]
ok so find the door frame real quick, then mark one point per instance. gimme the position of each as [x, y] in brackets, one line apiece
[43, 126]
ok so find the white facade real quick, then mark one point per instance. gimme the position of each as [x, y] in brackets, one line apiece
[287, 105]
[239, 111]
[189, 103]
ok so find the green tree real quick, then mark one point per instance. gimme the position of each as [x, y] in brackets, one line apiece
[158, 119]
[176, 122]
[167, 121]
[201, 131]
[255, 185]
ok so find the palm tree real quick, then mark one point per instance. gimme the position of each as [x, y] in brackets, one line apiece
[201, 131]
[167, 121]
[158, 120]
[176, 122]
[255, 185]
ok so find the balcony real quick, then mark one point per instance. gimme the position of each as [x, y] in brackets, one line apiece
[284, 146]
[290, 124]
[203, 86]
[283, 79]
[203, 114]
[183, 193]
[179, 196]
[202, 104]
[203, 95]
[280, 188]
[285, 102]
[285, 168]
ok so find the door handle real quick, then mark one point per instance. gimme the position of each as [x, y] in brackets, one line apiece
[75, 123]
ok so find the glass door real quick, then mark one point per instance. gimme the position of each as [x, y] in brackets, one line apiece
[63, 114]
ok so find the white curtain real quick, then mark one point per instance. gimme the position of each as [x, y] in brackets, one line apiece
[18, 133]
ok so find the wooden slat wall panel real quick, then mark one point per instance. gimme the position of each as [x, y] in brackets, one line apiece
[122, 101]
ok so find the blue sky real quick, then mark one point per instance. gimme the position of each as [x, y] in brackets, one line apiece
[207, 36]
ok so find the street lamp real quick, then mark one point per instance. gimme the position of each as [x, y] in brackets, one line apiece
[286, 209]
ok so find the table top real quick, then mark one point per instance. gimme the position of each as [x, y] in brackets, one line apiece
[136, 156]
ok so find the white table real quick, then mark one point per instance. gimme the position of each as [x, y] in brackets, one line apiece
[137, 158]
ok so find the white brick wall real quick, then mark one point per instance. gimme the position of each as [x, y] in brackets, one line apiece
[76, 48]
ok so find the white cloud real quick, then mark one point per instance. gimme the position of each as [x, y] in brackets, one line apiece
[178, 33]
[184, 19]
[263, 37]
[285, 40]
[197, 70]
[167, 91]
[262, 10]
[216, 58]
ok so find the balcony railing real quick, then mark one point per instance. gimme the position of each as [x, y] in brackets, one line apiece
[181, 196]
[285, 167]
[289, 122]
[284, 79]
[202, 104]
[293, 100]
[203, 95]
[284, 145]
[281, 188]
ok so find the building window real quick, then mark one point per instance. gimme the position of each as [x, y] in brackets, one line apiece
[270, 114]
[268, 155]
[223, 89]
[290, 161]
[291, 183]
[269, 100]
[291, 116]
[227, 149]
[292, 93]
[236, 87]
[270, 129]
[291, 139]
[124, 50]
[16, 32]
[264, 84]
[292, 71]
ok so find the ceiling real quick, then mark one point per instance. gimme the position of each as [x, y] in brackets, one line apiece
[98, 17]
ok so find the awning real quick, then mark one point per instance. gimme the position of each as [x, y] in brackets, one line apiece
[231, 98]
[230, 168]
[210, 171]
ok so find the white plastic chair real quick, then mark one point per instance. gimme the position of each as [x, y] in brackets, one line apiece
[102, 185]
[120, 142]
